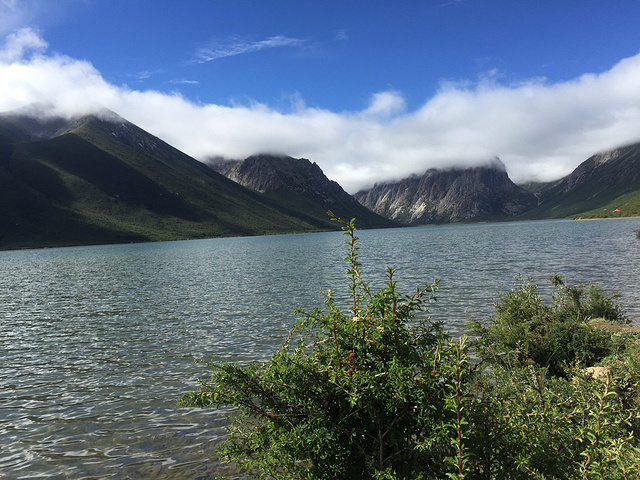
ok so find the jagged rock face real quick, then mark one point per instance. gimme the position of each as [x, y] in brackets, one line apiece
[441, 196]
[408, 200]
[269, 173]
[298, 185]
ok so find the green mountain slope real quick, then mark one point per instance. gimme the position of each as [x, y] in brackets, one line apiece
[627, 205]
[100, 179]
[600, 183]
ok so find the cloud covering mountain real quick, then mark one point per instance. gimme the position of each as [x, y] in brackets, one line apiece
[540, 130]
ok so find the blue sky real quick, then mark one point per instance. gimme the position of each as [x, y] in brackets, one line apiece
[370, 90]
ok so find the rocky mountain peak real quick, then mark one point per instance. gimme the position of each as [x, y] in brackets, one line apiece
[604, 157]
[269, 173]
[300, 183]
[440, 196]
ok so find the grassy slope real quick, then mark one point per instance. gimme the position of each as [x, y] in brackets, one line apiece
[628, 204]
[85, 188]
[29, 219]
[594, 195]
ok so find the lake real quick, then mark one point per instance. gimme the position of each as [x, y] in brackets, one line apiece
[98, 343]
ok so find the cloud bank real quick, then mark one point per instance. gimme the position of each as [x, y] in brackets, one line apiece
[540, 130]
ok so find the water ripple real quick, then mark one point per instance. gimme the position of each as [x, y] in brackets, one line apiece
[98, 343]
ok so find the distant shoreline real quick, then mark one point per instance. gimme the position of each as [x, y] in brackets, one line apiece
[607, 218]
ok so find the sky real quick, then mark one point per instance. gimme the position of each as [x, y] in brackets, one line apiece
[371, 90]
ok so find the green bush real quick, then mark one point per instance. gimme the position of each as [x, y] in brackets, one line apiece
[546, 416]
[624, 364]
[545, 427]
[371, 392]
[524, 330]
[378, 391]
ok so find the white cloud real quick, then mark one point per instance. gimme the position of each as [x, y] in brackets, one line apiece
[19, 44]
[184, 81]
[144, 75]
[385, 104]
[540, 130]
[238, 46]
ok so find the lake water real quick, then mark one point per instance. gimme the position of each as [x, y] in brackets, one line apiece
[97, 343]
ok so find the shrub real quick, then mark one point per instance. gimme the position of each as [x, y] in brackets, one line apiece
[371, 392]
[624, 364]
[546, 417]
[544, 427]
[524, 330]
[378, 391]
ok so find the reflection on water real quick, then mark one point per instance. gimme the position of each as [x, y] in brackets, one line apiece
[97, 343]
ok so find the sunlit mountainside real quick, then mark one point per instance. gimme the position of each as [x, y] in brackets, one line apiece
[481, 193]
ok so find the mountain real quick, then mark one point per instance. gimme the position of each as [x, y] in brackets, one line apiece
[455, 195]
[300, 188]
[100, 179]
[603, 183]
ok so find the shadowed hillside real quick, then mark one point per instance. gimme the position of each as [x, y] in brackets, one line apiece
[101, 179]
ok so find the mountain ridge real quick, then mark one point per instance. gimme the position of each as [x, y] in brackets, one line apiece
[301, 185]
[450, 195]
[101, 179]
[98, 178]
[595, 183]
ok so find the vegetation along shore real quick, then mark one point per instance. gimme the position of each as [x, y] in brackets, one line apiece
[542, 389]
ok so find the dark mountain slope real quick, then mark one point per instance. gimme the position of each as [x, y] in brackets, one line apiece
[301, 189]
[19, 127]
[443, 196]
[594, 184]
[28, 218]
[100, 179]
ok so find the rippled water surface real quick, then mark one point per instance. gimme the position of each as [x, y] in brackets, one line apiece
[98, 343]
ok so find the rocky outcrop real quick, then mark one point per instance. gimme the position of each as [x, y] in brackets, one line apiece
[443, 196]
[269, 173]
[298, 184]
